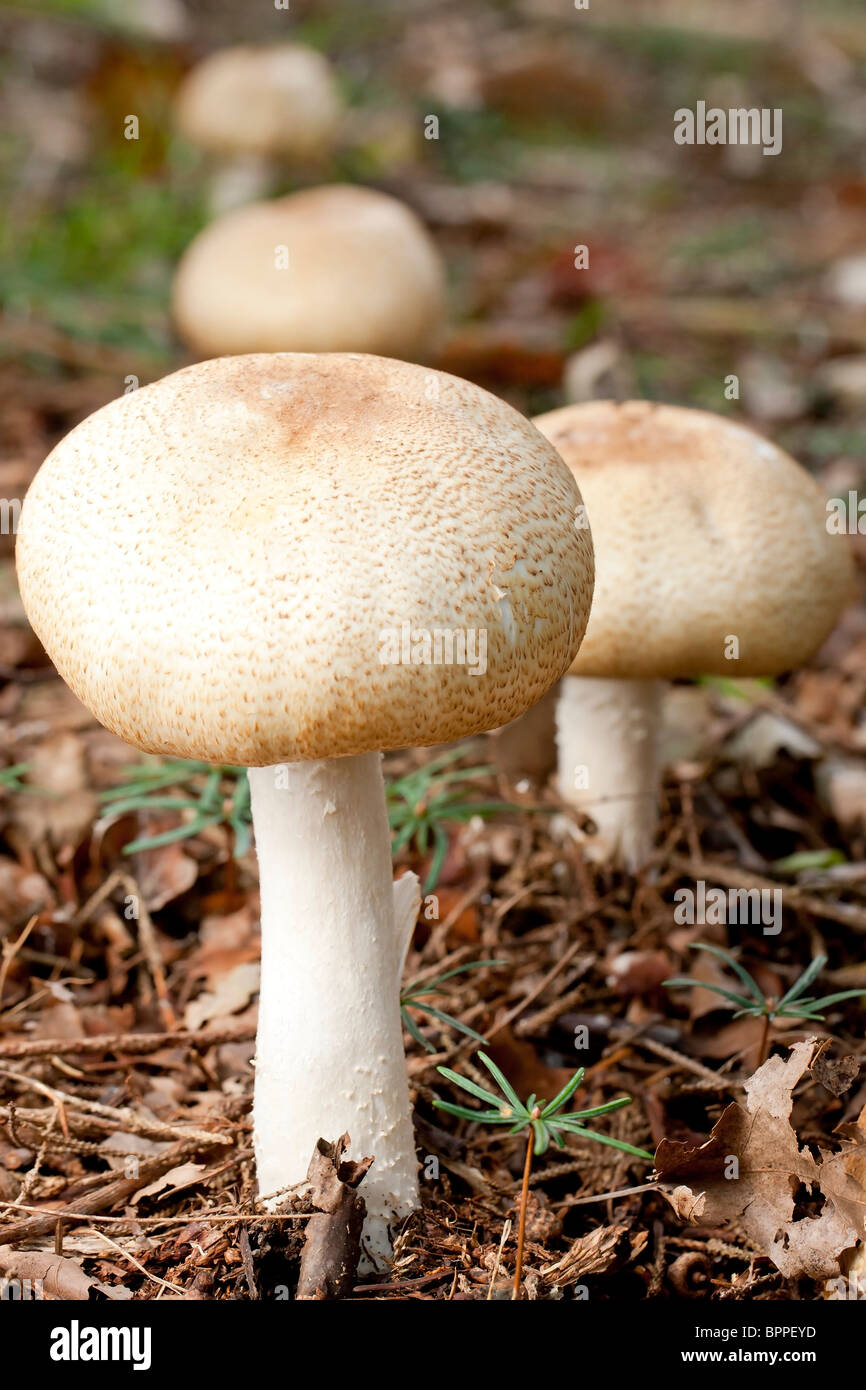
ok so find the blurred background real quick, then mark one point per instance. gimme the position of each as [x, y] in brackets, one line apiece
[555, 129]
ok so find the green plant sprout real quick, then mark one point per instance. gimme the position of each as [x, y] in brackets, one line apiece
[419, 804]
[11, 777]
[413, 995]
[424, 801]
[808, 860]
[794, 1004]
[217, 795]
[541, 1120]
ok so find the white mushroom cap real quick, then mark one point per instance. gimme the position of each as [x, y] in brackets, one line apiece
[216, 563]
[270, 99]
[359, 273]
[703, 530]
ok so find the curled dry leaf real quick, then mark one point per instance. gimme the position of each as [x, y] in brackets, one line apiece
[836, 1075]
[172, 1181]
[689, 1206]
[57, 1276]
[749, 1172]
[332, 1240]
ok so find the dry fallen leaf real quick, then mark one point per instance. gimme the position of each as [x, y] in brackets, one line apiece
[233, 992]
[57, 1276]
[64, 808]
[174, 1179]
[589, 1254]
[750, 1171]
[836, 1075]
[163, 874]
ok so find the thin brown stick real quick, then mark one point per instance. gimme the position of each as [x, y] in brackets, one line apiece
[103, 1197]
[150, 949]
[133, 1044]
[521, 1227]
[10, 950]
[539, 989]
[763, 1046]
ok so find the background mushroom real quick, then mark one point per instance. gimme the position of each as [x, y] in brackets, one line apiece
[333, 269]
[219, 565]
[255, 107]
[713, 558]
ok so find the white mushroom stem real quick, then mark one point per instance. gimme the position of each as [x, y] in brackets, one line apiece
[244, 179]
[329, 1052]
[609, 764]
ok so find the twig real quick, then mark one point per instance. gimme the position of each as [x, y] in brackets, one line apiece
[521, 1226]
[506, 1232]
[101, 1198]
[130, 1043]
[716, 1079]
[533, 994]
[163, 1283]
[732, 876]
[10, 950]
[608, 1196]
[120, 1116]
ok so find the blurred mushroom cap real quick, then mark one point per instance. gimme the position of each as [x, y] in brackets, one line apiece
[704, 532]
[276, 558]
[270, 99]
[331, 269]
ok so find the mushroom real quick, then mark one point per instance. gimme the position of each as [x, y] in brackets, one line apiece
[331, 269]
[251, 562]
[713, 559]
[254, 107]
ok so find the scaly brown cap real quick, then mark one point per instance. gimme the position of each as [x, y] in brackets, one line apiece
[703, 530]
[239, 562]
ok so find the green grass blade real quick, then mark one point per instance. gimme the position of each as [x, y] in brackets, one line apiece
[504, 1085]
[734, 965]
[565, 1094]
[715, 989]
[466, 1085]
[615, 1144]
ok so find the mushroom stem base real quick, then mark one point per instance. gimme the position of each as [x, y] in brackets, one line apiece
[329, 1052]
[244, 179]
[609, 766]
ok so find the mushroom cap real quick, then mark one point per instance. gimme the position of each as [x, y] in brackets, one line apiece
[703, 530]
[331, 269]
[267, 99]
[225, 564]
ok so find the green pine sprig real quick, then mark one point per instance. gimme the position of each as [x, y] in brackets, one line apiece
[794, 1004]
[544, 1118]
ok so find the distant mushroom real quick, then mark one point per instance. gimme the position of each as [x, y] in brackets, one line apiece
[252, 561]
[254, 107]
[331, 269]
[713, 558]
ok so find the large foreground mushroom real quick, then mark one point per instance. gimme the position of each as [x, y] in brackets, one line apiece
[292, 563]
[713, 559]
[332, 269]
